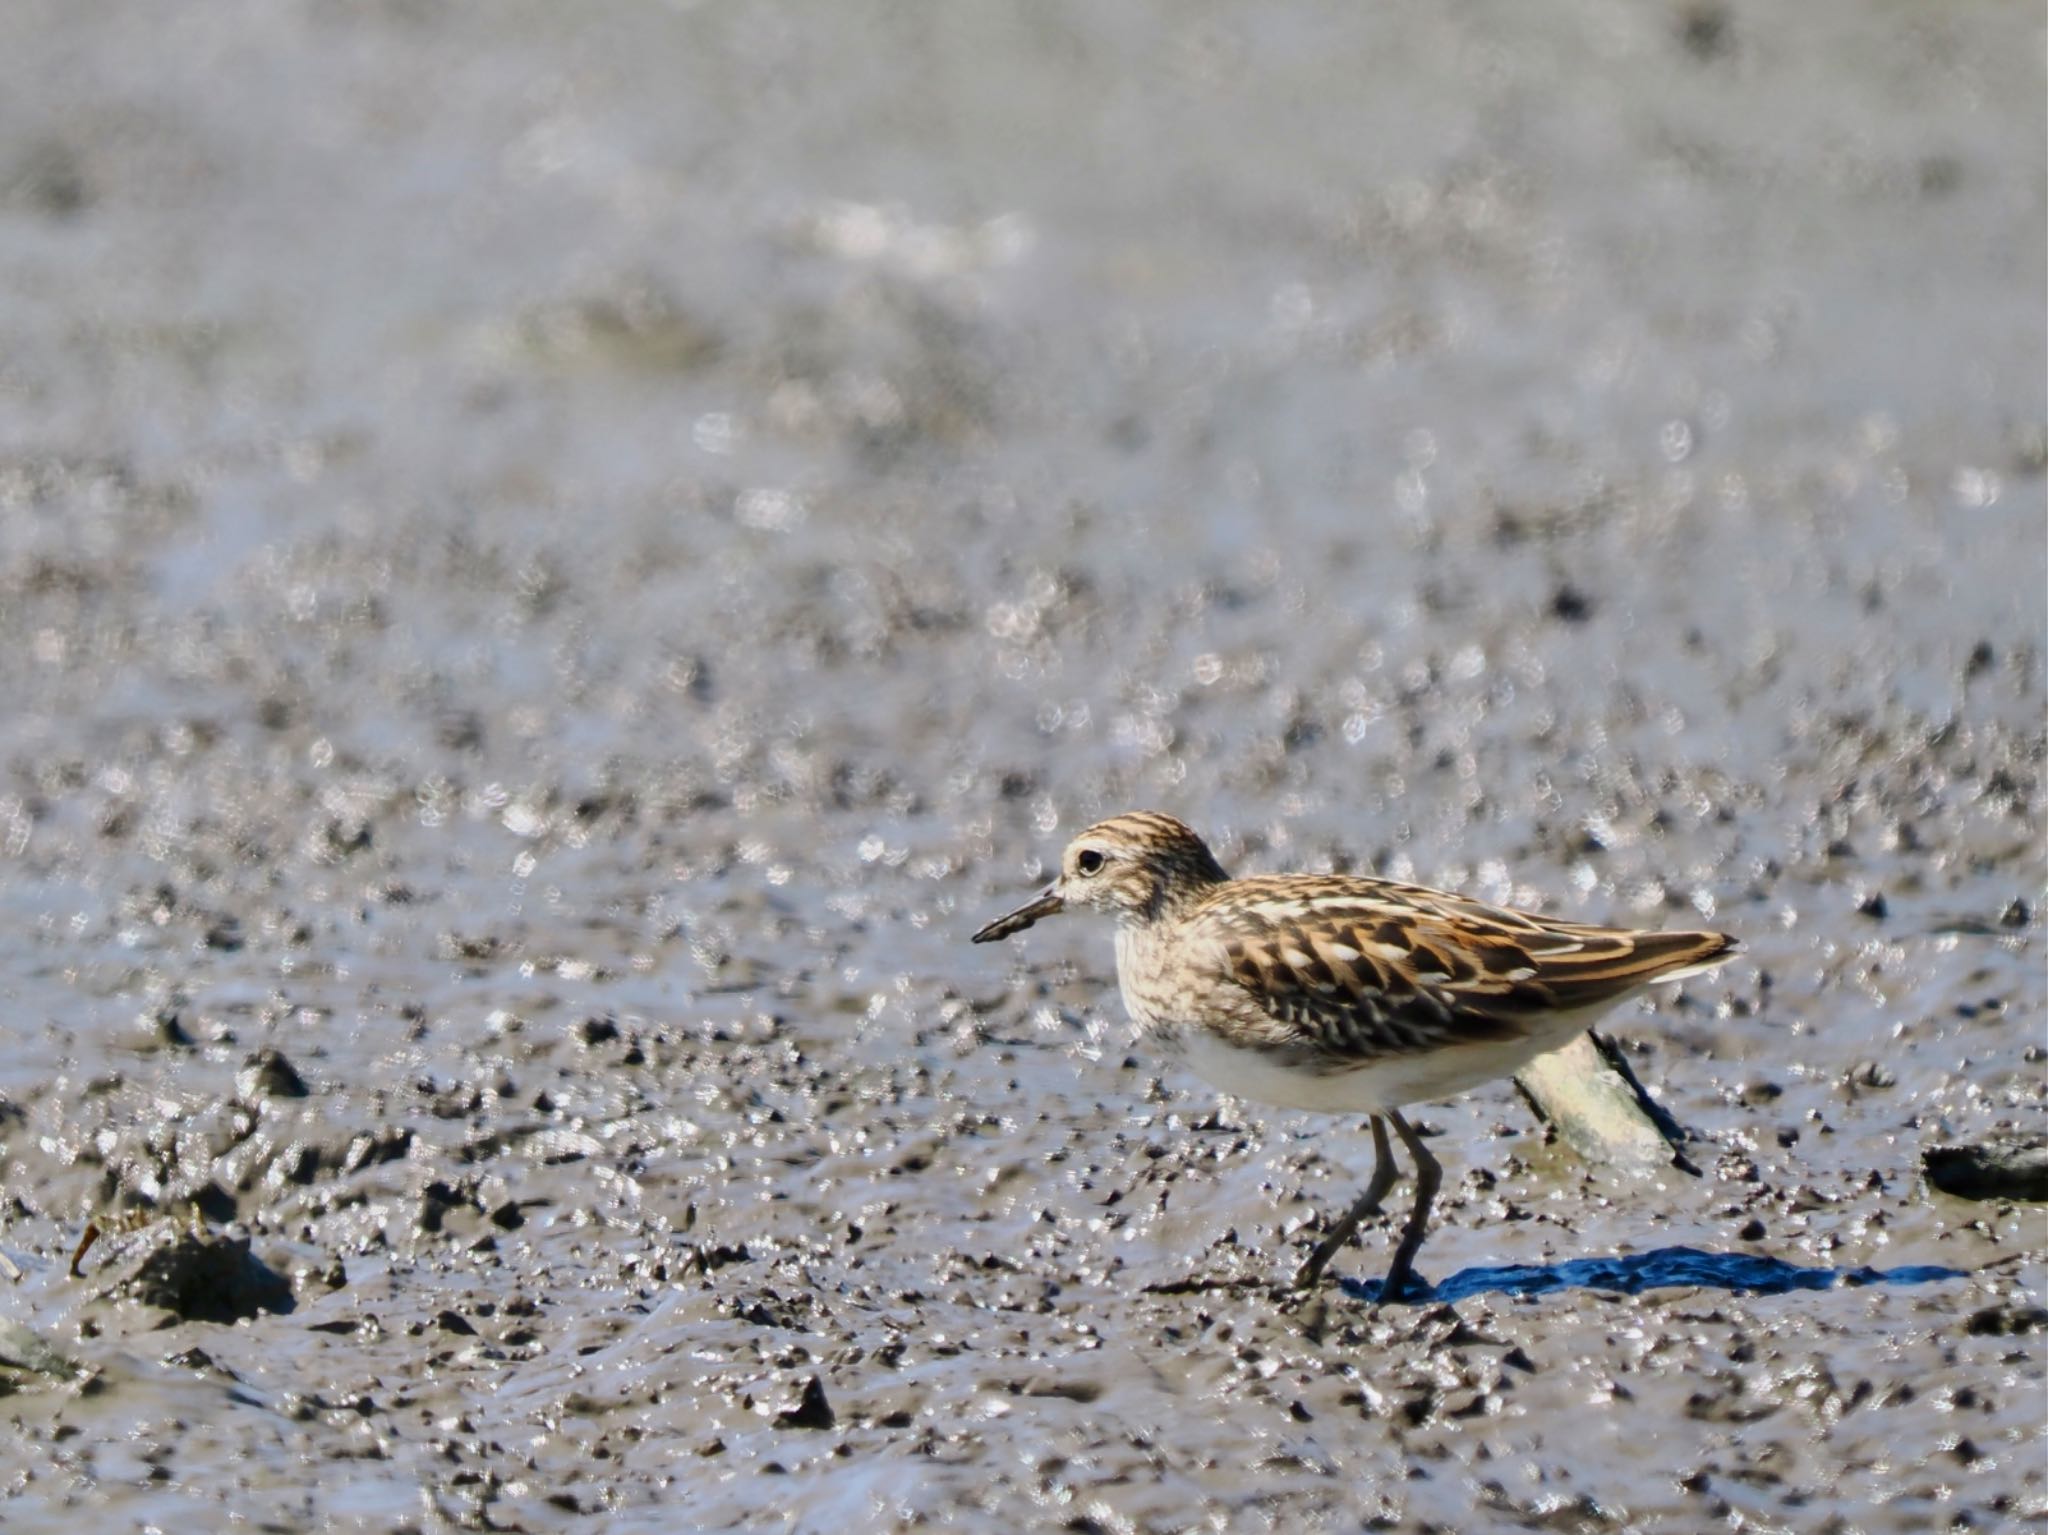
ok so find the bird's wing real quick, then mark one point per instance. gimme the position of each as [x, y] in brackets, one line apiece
[1363, 969]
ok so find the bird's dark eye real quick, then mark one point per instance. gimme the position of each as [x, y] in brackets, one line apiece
[1087, 861]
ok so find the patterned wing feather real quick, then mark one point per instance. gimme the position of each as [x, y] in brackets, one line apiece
[1362, 969]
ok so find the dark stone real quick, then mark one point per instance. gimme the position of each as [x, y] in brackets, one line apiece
[369, 1150]
[597, 1031]
[214, 1202]
[2014, 1169]
[811, 1410]
[1570, 605]
[209, 1278]
[2007, 1321]
[170, 1029]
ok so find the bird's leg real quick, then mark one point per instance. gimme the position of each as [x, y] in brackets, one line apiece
[1383, 1175]
[1429, 1176]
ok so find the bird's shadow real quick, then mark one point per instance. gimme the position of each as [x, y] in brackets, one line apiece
[1633, 1273]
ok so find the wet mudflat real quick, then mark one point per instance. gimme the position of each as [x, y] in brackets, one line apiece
[554, 566]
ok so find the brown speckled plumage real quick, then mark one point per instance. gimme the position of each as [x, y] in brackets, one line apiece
[1343, 994]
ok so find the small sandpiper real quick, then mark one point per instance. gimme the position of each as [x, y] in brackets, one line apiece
[1340, 994]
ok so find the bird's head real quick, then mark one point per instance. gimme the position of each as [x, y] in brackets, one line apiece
[1140, 865]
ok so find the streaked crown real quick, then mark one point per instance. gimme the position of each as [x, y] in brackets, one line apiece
[1142, 865]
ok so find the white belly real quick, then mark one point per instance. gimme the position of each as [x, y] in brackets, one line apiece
[1387, 1084]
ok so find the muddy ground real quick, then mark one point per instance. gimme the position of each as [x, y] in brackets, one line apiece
[555, 562]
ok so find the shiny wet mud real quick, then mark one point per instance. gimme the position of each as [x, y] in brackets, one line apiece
[554, 571]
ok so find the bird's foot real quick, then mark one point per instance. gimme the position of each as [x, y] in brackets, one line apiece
[1401, 1284]
[1305, 1277]
[1311, 1271]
